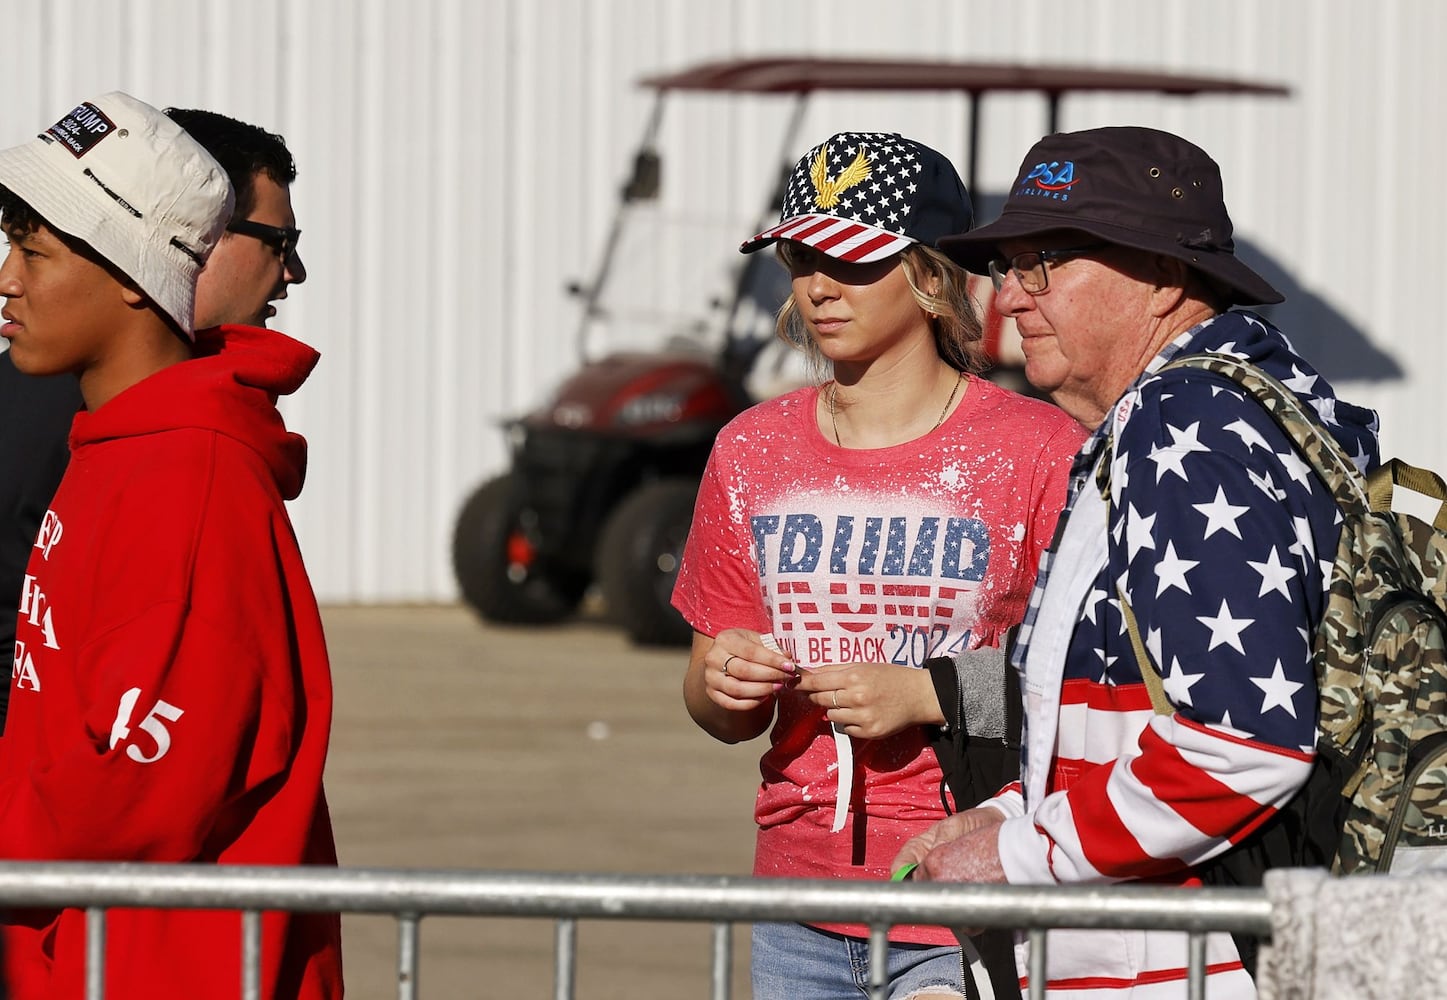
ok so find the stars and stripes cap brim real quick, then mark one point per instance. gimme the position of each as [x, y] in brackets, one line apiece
[865, 196]
[843, 239]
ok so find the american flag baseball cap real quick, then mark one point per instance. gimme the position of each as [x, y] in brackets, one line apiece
[863, 196]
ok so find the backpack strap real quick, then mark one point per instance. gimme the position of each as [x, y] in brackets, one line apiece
[1353, 492]
[1316, 444]
[1151, 677]
[1394, 472]
[1306, 831]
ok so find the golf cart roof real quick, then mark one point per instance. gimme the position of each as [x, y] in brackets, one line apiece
[802, 75]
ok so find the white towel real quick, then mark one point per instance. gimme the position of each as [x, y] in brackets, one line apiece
[1362, 937]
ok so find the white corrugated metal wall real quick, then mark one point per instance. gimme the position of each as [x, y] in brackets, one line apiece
[460, 161]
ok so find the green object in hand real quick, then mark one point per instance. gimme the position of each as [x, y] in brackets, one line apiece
[904, 873]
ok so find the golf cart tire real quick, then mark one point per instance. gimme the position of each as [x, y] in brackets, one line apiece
[496, 590]
[638, 557]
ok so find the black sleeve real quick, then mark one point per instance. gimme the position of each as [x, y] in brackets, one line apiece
[35, 418]
[979, 747]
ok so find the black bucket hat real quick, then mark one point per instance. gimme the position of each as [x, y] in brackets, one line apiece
[1136, 187]
[863, 196]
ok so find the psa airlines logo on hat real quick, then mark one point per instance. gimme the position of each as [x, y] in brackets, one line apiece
[1049, 180]
[80, 130]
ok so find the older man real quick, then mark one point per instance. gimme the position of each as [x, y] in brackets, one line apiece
[1189, 508]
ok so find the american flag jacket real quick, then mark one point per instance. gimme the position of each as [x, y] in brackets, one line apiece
[1220, 536]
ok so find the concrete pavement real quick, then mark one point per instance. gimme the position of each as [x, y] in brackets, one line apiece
[462, 745]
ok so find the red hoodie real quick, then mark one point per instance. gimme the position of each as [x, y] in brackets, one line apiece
[171, 696]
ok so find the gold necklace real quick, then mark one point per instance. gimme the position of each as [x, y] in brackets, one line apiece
[834, 390]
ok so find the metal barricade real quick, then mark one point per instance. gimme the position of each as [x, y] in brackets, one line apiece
[410, 894]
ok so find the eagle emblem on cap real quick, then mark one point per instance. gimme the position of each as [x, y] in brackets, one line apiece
[826, 191]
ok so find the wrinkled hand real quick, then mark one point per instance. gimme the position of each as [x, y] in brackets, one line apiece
[975, 857]
[872, 700]
[964, 847]
[741, 674]
[944, 834]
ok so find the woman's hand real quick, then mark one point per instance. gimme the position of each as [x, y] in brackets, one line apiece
[873, 700]
[740, 673]
[731, 683]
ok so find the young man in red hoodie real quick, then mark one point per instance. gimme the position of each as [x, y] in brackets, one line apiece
[171, 694]
[254, 264]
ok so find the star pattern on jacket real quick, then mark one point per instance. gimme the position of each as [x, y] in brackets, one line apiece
[1220, 542]
[1221, 539]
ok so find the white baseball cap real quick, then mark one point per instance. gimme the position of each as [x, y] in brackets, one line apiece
[120, 176]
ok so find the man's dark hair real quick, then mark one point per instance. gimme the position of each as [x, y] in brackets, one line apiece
[243, 150]
[17, 217]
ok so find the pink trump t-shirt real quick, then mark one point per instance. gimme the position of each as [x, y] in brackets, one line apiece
[888, 555]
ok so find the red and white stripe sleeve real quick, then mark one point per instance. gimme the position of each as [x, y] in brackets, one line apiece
[1184, 795]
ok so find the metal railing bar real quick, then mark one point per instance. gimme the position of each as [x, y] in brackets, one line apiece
[878, 960]
[95, 953]
[565, 959]
[251, 955]
[1196, 967]
[407, 952]
[1037, 963]
[721, 974]
[585, 895]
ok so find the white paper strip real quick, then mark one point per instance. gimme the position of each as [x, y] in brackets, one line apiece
[844, 755]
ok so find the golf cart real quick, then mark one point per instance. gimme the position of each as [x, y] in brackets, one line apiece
[604, 475]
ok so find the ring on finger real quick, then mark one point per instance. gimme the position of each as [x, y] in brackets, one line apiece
[731, 658]
[835, 693]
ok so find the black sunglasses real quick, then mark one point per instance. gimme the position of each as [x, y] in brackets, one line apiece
[282, 239]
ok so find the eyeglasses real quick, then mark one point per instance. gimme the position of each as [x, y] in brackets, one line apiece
[282, 239]
[1030, 269]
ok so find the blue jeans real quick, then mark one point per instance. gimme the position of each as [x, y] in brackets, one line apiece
[791, 961]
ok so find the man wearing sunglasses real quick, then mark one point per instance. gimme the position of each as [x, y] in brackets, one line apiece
[257, 259]
[251, 268]
[1169, 691]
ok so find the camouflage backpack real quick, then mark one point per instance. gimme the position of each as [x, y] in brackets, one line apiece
[1377, 800]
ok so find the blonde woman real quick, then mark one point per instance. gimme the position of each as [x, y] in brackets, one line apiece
[848, 532]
